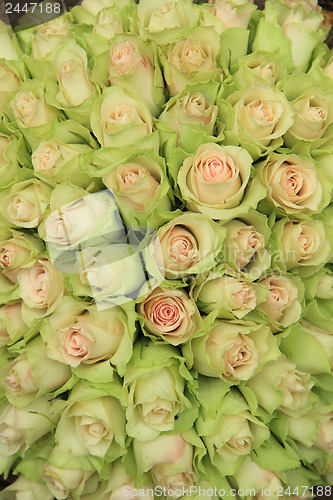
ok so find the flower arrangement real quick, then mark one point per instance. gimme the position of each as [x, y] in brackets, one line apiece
[166, 252]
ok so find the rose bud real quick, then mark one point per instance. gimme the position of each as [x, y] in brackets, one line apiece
[64, 482]
[26, 489]
[109, 22]
[157, 396]
[229, 296]
[93, 423]
[169, 315]
[24, 204]
[32, 373]
[294, 184]
[9, 48]
[190, 243]
[78, 334]
[230, 13]
[12, 325]
[233, 351]
[252, 477]
[283, 304]
[20, 428]
[18, 250]
[9, 167]
[191, 60]
[281, 385]
[229, 431]
[119, 118]
[215, 181]
[47, 37]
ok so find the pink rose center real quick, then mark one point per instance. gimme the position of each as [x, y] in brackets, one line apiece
[166, 314]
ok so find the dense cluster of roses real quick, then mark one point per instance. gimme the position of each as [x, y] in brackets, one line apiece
[166, 251]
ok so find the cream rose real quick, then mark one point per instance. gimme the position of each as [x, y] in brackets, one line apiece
[215, 178]
[30, 109]
[233, 351]
[325, 435]
[4, 141]
[233, 13]
[62, 482]
[245, 243]
[303, 243]
[118, 118]
[26, 489]
[231, 297]
[283, 302]
[169, 314]
[20, 380]
[41, 286]
[9, 81]
[109, 23]
[188, 244]
[293, 184]
[48, 37]
[45, 157]
[25, 203]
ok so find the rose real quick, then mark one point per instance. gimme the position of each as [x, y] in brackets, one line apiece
[231, 432]
[12, 325]
[140, 187]
[29, 106]
[230, 296]
[85, 219]
[169, 315]
[157, 395]
[32, 374]
[252, 477]
[9, 79]
[281, 385]
[229, 14]
[40, 287]
[260, 116]
[328, 68]
[93, 423]
[259, 68]
[118, 118]
[244, 246]
[325, 435]
[191, 60]
[170, 460]
[215, 181]
[9, 166]
[69, 66]
[25, 202]
[61, 482]
[165, 21]
[78, 334]
[189, 113]
[313, 114]
[52, 158]
[111, 273]
[283, 303]
[8, 43]
[109, 22]
[294, 184]
[300, 244]
[18, 250]
[95, 6]
[233, 351]
[47, 37]
[189, 244]
[131, 64]
[325, 286]
[26, 489]
[20, 428]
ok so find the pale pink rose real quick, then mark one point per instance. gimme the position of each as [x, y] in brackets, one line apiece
[20, 379]
[169, 314]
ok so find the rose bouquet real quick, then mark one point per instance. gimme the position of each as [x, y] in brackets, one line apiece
[166, 285]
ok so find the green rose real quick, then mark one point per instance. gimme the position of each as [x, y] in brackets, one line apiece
[260, 68]
[9, 46]
[231, 432]
[294, 184]
[24, 203]
[232, 350]
[9, 167]
[10, 78]
[26, 489]
[21, 428]
[62, 481]
[251, 478]
[283, 305]
[280, 385]
[191, 60]
[256, 118]
[12, 325]
[18, 250]
[78, 334]
[227, 14]
[244, 245]
[230, 296]
[119, 118]
[93, 423]
[301, 245]
[216, 181]
[189, 244]
[132, 64]
[157, 392]
[165, 21]
[32, 374]
[46, 38]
